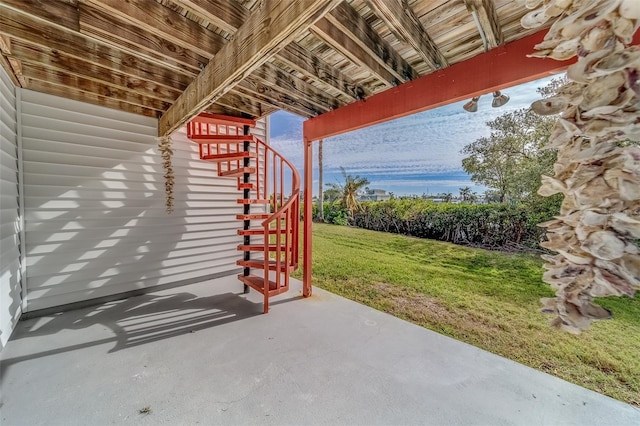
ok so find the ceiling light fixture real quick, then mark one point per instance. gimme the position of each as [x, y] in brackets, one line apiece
[499, 99]
[472, 105]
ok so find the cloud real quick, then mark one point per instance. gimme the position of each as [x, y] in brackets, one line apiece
[427, 144]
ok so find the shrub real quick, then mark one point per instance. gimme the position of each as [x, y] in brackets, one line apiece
[498, 226]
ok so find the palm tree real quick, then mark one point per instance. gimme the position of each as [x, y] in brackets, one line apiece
[350, 190]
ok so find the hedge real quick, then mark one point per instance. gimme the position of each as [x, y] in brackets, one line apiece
[496, 226]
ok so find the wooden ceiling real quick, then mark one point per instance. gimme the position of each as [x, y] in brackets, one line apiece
[173, 58]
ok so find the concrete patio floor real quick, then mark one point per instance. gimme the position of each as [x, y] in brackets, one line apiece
[204, 353]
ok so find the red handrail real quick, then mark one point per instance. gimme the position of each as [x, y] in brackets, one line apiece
[285, 219]
[221, 140]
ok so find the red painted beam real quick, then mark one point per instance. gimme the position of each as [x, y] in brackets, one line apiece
[502, 67]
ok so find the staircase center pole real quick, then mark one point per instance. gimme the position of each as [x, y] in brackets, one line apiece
[246, 178]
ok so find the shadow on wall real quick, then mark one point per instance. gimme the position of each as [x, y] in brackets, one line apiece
[96, 224]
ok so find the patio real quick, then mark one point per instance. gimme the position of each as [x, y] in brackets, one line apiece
[204, 353]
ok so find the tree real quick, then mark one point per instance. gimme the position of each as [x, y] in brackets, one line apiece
[511, 159]
[467, 196]
[349, 190]
[332, 194]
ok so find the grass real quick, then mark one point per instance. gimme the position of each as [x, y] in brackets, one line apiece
[485, 298]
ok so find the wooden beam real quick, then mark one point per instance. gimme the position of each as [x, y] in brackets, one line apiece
[497, 69]
[340, 42]
[157, 19]
[242, 104]
[91, 98]
[229, 15]
[349, 21]
[270, 94]
[265, 32]
[71, 65]
[307, 92]
[58, 78]
[488, 18]
[305, 62]
[401, 20]
[62, 44]
[59, 12]
[11, 65]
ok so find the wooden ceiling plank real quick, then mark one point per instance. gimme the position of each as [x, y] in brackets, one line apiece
[269, 99]
[248, 106]
[64, 63]
[401, 19]
[227, 15]
[489, 21]
[274, 95]
[157, 19]
[312, 66]
[23, 27]
[59, 78]
[59, 12]
[263, 34]
[340, 42]
[275, 76]
[348, 20]
[133, 39]
[91, 98]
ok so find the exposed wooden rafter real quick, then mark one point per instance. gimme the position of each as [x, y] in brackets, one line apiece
[401, 19]
[157, 19]
[488, 19]
[11, 65]
[229, 15]
[263, 34]
[135, 39]
[357, 29]
[225, 14]
[310, 65]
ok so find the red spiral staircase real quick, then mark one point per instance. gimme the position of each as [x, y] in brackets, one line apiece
[270, 218]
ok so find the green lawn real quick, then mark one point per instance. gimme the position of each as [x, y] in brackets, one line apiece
[485, 298]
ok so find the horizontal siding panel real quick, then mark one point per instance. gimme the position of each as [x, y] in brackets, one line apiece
[47, 105]
[117, 280]
[9, 228]
[9, 244]
[113, 170]
[126, 250]
[126, 272]
[8, 129]
[34, 114]
[43, 300]
[216, 215]
[10, 257]
[95, 214]
[9, 214]
[136, 232]
[40, 265]
[118, 150]
[149, 223]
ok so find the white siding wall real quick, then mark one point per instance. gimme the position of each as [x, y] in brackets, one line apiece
[10, 267]
[94, 199]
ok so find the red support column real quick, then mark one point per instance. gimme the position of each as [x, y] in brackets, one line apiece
[308, 216]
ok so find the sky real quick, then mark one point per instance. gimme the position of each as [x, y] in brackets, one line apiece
[410, 155]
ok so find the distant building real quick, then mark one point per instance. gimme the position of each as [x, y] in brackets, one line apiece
[374, 195]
